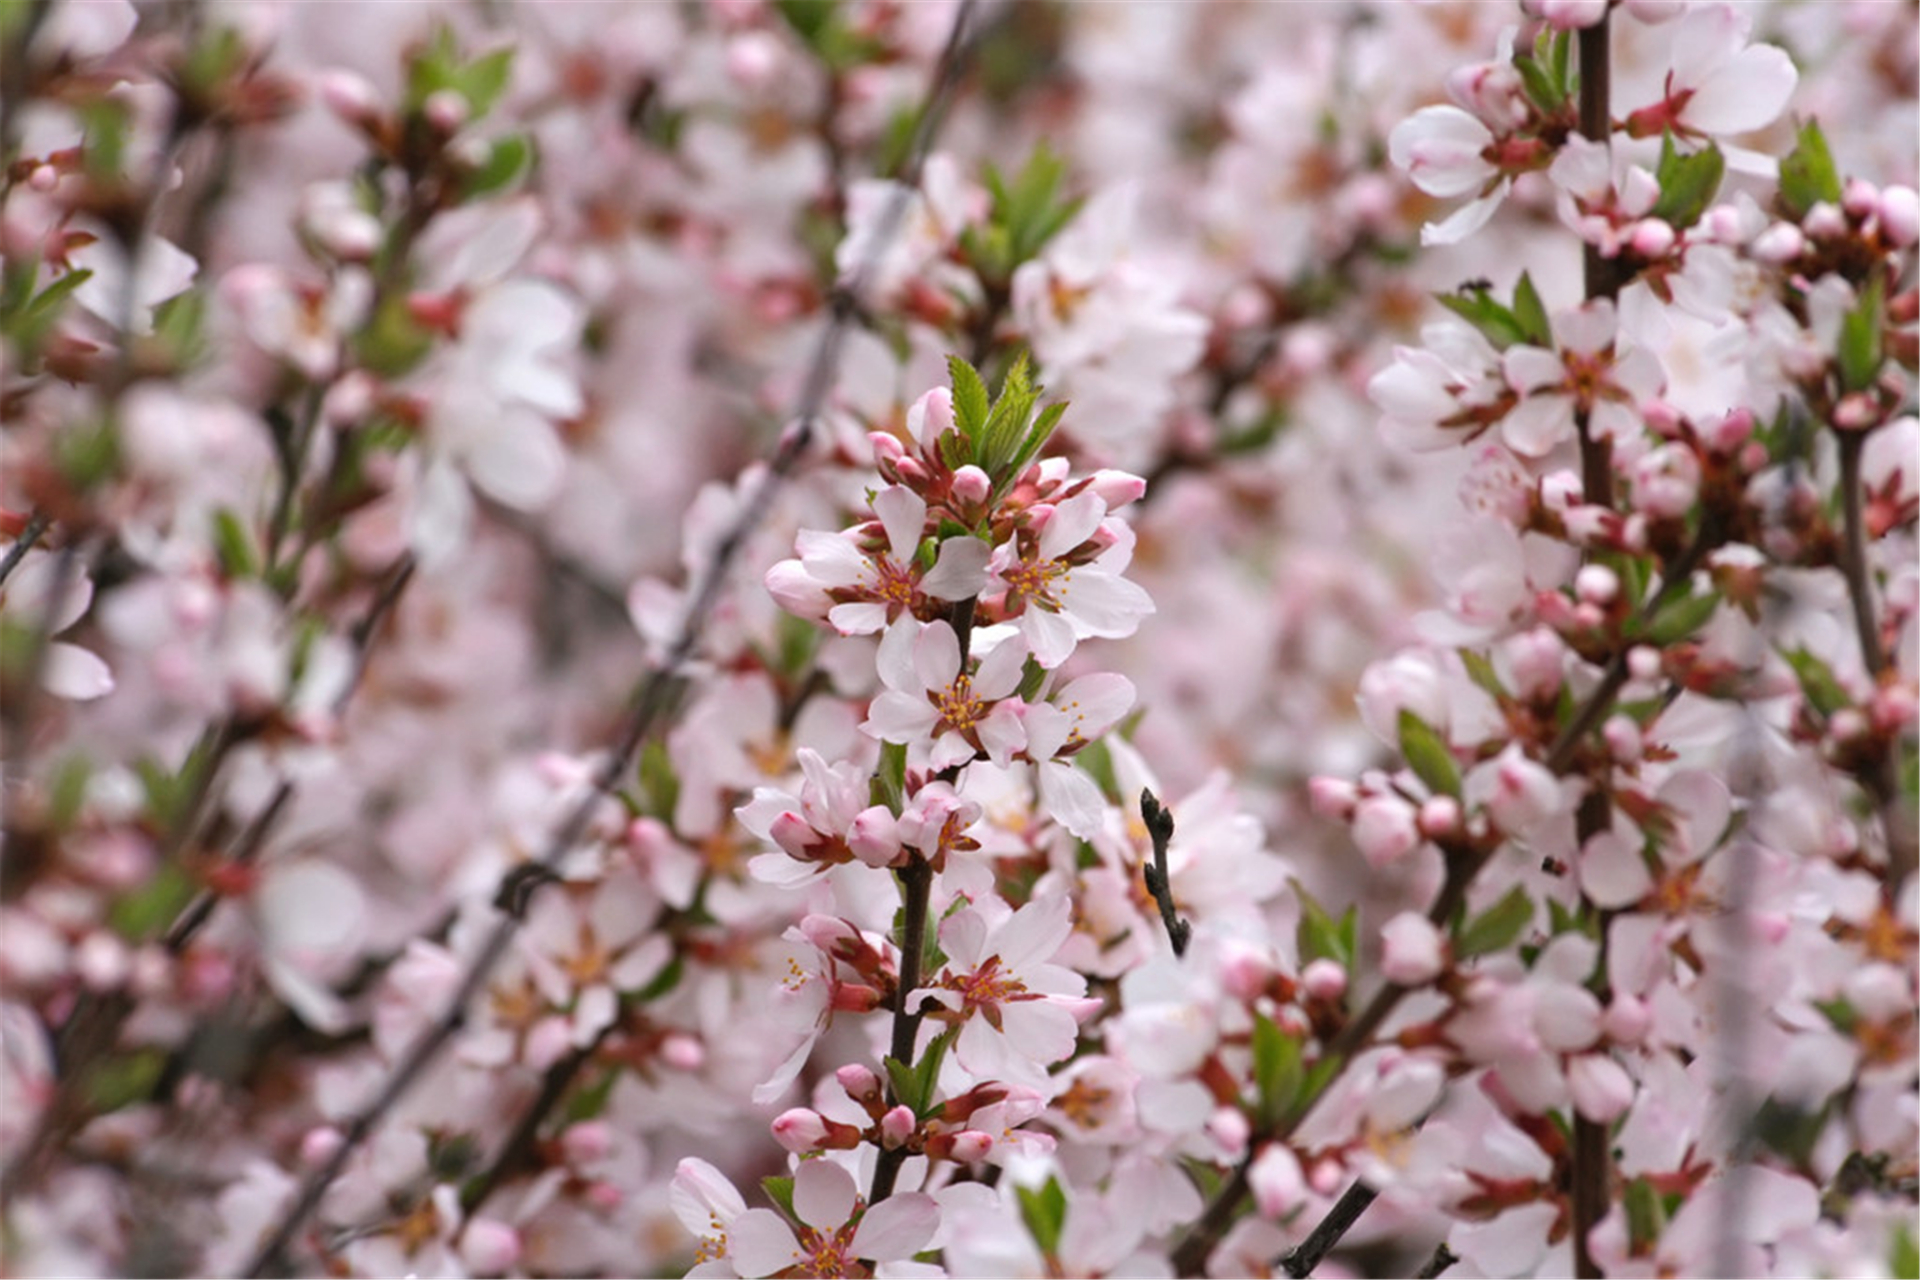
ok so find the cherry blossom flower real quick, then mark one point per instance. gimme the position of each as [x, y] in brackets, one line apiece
[836, 1234]
[1063, 587]
[1016, 1010]
[1717, 84]
[934, 705]
[1585, 377]
[34, 599]
[865, 589]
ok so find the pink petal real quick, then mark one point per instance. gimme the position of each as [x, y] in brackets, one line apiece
[896, 1228]
[904, 516]
[936, 656]
[761, 1244]
[72, 672]
[960, 571]
[823, 1194]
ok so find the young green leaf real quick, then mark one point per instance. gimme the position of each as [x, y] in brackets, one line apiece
[1499, 926]
[1426, 751]
[1807, 174]
[1688, 182]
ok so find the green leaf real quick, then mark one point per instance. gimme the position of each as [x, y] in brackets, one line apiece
[889, 785]
[1688, 182]
[153, 905]
[1427, 753]
[1496, 928]
[1321, 937]
[1807, 174]
[590, 1102]
[1475, 304]
[1645, 1216]
[124, 1079]
[1536, 81]
[779, 1189]
[970, 404]
[1277, 1071]
[1044, 1210]
[239, 557]
[1480, 671]
[1817, 682]
[1678, 619]
[659, 785]
[507, 162]
[927, 1071]
[1530, 314]
[907, 1086]
[1903, 1260]
[663, 982]
[482, 81]
[1862, 347]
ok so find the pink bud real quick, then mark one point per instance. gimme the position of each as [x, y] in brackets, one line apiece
[1780, 243]
[1228, 1126]
[1643, 662]
[860, 1082]
[1627, 1020]
[351, 97]
[43, 178]
[683, 1052]
[1860, 199]
[1848, 725]
[897, 1126]
[1601, 1088]
[445, 109]
[1726, 434]
[1116, 488]
[1243, 970]
[1900, 216]
[971, 485]
[800, 1130]
[318, 1146]
[1412, 951]
[489, 1247]
[931, 416]
[1596, 584]
[886, 446]
[1824, 222]
[1857, 411]
[1652, 238]
[1537, 659]
[970, 1146]
[1623, 739]
[1324, 979]
[1384, 829]
[101, 961]
[1560, 490]
[1893, 708]
[753, 57]
[874, 836]
[1440, 817]
[1274, 1178]
[547, 1043]
[587, 1141]
[1588, 616]
[1332, 797]
[794, 834]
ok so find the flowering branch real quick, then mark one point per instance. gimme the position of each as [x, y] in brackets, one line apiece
[1159, 884]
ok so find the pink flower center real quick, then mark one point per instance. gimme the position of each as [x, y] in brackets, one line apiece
[827, 1253]
[1032, 579]
[959, 709]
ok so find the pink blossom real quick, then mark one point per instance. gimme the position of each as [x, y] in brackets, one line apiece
[930, 698]
[835, 1229]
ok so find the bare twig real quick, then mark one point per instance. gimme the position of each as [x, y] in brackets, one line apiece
[1160, 828]
[37, 524]
[1346, 1211]
[1438, 1263]
[660, 687]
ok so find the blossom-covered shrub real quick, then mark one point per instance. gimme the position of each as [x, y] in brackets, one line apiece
[598, 603]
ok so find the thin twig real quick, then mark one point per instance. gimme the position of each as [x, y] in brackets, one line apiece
[1438, 1263]
[661, 685]
[1159, 883]
[1346, 1211]
[1853, 554]
[37, 524]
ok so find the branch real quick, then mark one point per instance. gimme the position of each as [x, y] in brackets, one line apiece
[661, 685]
[37, 524]
[1160, 826]
[1602, 275]
[1346, 1211]
[1438, 1263]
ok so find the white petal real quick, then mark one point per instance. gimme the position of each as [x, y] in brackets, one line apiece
[901, 717]
[72, 672]
[760, 1244]
[936, 656]
[1073, 799]
[518, 461]
[904, 517]
[896, 1228]
[1050, 635]
[823, 1194]
[960, 571]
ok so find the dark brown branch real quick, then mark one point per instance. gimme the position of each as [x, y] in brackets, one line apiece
[1602, 275]
[1346, 1211]
[1437, 1265]
[1160, 829]
[37, 524]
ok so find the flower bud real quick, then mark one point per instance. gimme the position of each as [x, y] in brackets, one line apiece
[897, 1126]
[861, 1084]
[1412, 951]
[970, 1146]
[351, 97]
[1384, 829]
[1900, 216]
[1537, 659]
[586, 1142]
[874, 836]
[1116, 488]
[683, 1052]
[971, 485]
[795, 835]
[1228, 1126]
[1440, 818]
[1824, 222]
[1652, 238]
[1596, 584]
[1643, 662]
[319, 1144]
[800, 1130]
[1275, 1179]
[930, 417]
[1860, 199]
[1627, 1019]
[1332, 797]
[489, 1247]
[1525, 792]
[445, 109]
[1780, 243]
[1623, 739]
[1324, 979]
